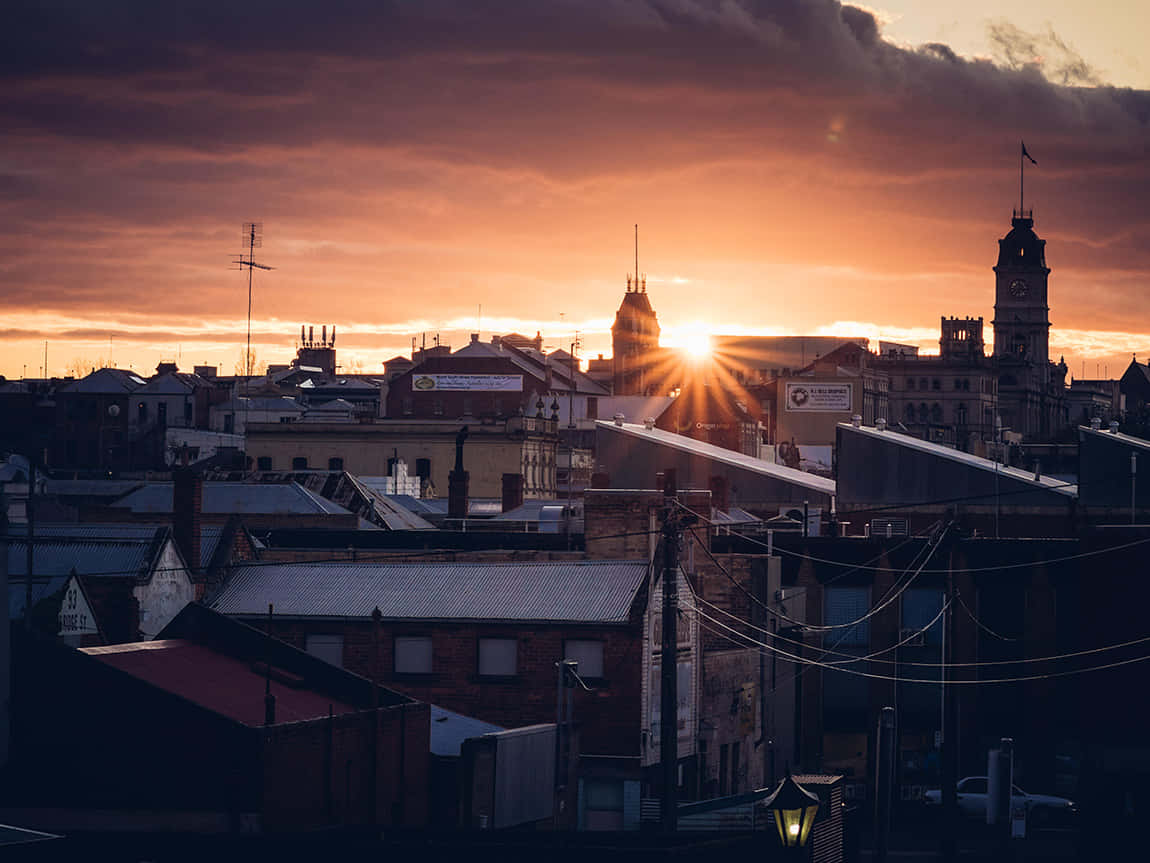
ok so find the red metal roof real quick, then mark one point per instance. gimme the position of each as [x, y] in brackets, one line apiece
[221, 683]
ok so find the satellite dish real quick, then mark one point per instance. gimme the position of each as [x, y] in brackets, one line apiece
[113, 410]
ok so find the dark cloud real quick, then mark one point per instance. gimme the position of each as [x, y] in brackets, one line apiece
[449, 137]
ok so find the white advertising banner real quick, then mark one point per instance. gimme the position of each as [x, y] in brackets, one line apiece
[468, 383]
[819, 397]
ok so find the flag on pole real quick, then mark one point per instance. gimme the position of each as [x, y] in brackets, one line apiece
[1027, 155]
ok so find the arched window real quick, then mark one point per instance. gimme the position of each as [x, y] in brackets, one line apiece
[923, 413]
[909, 412]
[936, 413]
[910, 383]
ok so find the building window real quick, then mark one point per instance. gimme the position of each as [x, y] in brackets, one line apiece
[923, 413]
[922, 384]
[910, 383]
[589, 655]
[423, 468]
[841, 605]
[960, 414]
[437, 407]
[187, 414]
[408, 407]
[936, 384]
[264, 462]
[142, 413]
[467, 407]
[162, 413]
[329, 648]
[498, 657]
[909, 412]
[413, 654]
[936, 413]
[957, 384]
[299, 463]
[592, 408]
[966, 385]
[335, 463]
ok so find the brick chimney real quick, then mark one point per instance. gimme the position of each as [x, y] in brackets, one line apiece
[187, 510]
[512, 491]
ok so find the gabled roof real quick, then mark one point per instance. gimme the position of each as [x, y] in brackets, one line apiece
[568, 592]
[173, 383]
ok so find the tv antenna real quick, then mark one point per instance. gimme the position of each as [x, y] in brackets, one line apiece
[253, 239]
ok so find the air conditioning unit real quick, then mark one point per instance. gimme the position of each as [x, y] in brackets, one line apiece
[911, 637]
[889, 527]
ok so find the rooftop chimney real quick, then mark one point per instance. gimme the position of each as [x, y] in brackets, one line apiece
[512, 491]
[880, 424]
[649, 423]
[1096, 423]
[187, 510]
[1113, 426]
[856, 420]
[619, 420]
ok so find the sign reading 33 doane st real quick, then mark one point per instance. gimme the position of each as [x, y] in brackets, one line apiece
[819, 397]
[484, 383]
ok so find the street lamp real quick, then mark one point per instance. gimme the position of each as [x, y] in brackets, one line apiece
[794, 809]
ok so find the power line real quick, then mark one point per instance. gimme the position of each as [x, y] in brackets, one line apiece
[934, 682]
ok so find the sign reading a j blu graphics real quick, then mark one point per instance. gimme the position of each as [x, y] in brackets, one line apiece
[819, 397]
[468, 383]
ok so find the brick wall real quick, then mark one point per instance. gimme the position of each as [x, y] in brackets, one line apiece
[608, 716]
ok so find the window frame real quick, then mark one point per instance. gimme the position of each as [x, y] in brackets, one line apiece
[479, 657]
[428, 640]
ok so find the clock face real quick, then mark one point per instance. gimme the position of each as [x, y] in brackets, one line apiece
[1019, 288]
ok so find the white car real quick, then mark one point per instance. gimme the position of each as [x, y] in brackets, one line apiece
[1040, 809]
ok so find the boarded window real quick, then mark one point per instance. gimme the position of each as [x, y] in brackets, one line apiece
[589, 655]
[413, 654]
[497, 657]
[329, 648]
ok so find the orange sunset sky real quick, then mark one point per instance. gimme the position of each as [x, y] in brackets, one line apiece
[795, 166]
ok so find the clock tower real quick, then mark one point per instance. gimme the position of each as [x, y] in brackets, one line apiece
[1021, 308]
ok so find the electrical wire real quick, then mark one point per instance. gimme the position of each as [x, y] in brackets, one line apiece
[935, 682]
[980, 624]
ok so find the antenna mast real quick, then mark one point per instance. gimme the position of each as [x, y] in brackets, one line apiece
[636, 256]
[253, 238]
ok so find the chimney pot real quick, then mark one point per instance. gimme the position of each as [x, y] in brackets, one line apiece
[649, 423]
[856, 420]
[1114, 427]
[880, 424]
[1096, 423]
[619, 420]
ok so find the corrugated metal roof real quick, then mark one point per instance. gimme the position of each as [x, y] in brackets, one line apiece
[236, 497]
[450, 729]
[723, 455]
[224, 684]
[210, 534]
[1046, 483]
[57, 557]
[577, 592]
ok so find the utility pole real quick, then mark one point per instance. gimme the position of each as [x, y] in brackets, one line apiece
[884, 783]
[668, 689]
[949, 731]
[1133, 481]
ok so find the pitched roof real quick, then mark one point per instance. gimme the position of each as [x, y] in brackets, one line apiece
[723, 455]
[87, 532]
[106, 381]
[450, 729]
[224, 684]
[569, 592]
[236, 497]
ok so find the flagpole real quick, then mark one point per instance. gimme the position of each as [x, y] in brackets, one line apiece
[1021, 180]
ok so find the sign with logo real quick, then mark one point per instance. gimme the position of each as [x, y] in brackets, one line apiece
[819, 397]
[468, 383]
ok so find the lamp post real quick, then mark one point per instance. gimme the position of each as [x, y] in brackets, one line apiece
[793, 808]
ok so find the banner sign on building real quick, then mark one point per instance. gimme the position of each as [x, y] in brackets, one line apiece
[819, 397]
[468, 383]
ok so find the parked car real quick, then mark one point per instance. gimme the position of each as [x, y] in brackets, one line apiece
[1041, 809]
